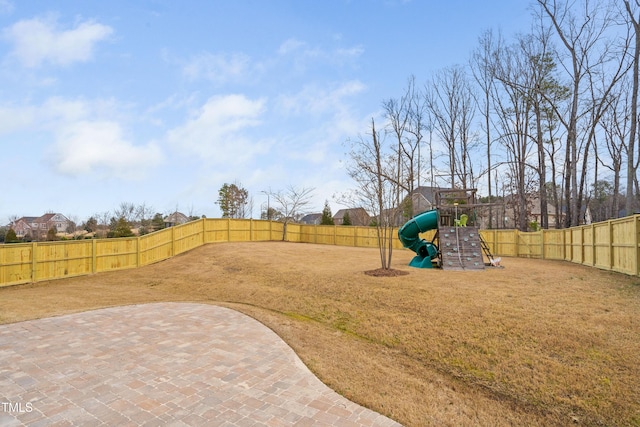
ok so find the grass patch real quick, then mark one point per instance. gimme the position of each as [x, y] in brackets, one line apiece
[535, 343]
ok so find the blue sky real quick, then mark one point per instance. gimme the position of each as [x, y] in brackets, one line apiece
[162, 102]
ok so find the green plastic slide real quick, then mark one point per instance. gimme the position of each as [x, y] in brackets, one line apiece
[409, 235]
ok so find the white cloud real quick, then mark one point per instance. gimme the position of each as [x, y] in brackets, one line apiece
[217, 131]
[90, 138]
[218, 68]
[85, 147]
[289, 46]
[320, 100]
[37, 41]
[304, 56]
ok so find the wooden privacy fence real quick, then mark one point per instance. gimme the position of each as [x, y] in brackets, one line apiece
[611, 245]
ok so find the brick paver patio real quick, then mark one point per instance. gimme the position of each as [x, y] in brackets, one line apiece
[166, 364]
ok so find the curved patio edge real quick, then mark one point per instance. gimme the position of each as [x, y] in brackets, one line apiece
[160, 364]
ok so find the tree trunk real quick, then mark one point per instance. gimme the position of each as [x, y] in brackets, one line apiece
[630, 204]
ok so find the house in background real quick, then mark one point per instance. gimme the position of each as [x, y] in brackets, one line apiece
[535, 214]
[37, 227]
[175, 218]
[423, 199]
[312, 219]
[358, 216]
[22, 226]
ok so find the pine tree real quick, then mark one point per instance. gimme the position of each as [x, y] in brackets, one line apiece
[91, 225]
[157, 222]
[346, 219]
[122, 229]
[11, 237]
[327, 218]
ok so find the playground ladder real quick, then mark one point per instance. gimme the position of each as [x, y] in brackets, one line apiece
[485, 248]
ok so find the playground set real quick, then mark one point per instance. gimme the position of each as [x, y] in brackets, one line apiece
[456, 244]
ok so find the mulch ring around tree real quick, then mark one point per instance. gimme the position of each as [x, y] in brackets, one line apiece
[382, 272]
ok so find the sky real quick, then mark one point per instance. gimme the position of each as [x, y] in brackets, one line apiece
[162, 102]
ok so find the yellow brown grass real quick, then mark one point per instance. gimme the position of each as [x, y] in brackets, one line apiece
[534, 343]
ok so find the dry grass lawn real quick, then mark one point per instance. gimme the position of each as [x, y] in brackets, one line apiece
[534, 343]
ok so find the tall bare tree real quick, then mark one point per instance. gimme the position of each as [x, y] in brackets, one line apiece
[483, 70]
[545, 91]
[450, 101]
[373, 168]
[633, 17]
[406, 120]
[616, 124]
[582, 28]
[513, 102]
[397, 113]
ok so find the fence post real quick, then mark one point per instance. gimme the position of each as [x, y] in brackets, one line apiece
[542, 243]
[611, 255]
[173, 240]
[636, 241]
[139, 253]
[34, 261]
[584, 249]
[593, 244]
[94, 255]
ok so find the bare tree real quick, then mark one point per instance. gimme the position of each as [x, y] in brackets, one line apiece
[616, 125]
[483, 70]
[545, 90]
[72, 226]
[512, 101]
[553, 147]
[406, 119]
[632, 165]
[373, 168]
[419, 121]
[293, 203]
[581, 27]
[126, 210]
[397, 114]
[103, 220]
[143, 214]
[449, 99]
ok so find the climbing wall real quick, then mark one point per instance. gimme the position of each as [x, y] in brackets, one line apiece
[460, 248]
